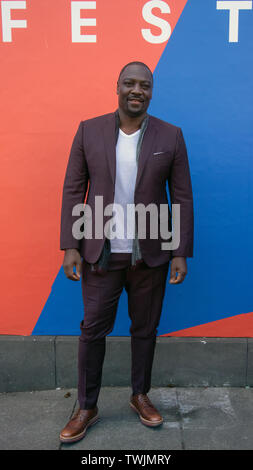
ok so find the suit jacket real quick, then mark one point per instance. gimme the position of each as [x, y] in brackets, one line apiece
[92, 165]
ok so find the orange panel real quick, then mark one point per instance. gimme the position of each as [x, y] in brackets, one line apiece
[236, 326]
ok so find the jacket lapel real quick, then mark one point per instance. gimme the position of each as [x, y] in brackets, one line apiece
[110, 144]
[146, 148]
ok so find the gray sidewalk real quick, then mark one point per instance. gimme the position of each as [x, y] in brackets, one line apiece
[211, 418]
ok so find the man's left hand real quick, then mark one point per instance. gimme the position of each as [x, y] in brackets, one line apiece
[178, 270]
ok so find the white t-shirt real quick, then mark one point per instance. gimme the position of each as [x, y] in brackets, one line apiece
[126, 171]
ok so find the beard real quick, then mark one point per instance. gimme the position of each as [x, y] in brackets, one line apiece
[136, 112]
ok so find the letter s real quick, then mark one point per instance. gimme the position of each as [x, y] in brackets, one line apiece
[152, 19]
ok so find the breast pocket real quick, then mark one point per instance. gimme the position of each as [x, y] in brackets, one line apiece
[161, 160]
[158, 166]
[162, 155]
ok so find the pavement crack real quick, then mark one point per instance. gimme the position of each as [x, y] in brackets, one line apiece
[180, 422]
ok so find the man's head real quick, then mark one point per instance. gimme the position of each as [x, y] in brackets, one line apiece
[134, 88]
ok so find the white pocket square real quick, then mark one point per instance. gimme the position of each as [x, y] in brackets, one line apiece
[158, 153]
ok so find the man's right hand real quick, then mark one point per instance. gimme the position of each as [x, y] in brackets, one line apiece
[72, 258]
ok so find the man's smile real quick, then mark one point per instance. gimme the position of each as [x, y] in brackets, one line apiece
[135, 100]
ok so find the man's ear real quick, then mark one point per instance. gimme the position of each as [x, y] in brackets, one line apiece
[117, 88]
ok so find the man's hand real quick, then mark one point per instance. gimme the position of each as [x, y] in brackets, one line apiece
[72, 258]
[179, 266]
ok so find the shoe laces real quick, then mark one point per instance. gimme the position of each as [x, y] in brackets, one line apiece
[79, 415]
[145, 401]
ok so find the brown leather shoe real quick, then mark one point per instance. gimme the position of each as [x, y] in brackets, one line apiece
[148, 414]
[76, 427]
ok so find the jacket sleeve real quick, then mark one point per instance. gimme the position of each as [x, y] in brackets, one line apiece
[180, 189]
[74, 190]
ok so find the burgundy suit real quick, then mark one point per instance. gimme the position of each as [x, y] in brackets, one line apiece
[163, 158]
[93, 158]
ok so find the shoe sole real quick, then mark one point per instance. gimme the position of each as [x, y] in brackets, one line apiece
[146, 421]
[68, 440]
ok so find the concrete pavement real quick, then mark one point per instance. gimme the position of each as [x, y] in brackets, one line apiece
[210, 418]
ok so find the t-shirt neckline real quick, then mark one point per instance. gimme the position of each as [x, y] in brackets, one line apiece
[129, 135]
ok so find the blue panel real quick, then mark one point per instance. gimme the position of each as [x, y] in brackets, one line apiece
[203, 84]
[64, 310]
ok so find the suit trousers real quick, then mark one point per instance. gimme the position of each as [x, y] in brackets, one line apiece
[145, 287]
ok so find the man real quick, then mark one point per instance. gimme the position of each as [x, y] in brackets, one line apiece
[127, 157]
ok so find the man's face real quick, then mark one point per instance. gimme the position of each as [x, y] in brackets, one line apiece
[134, 89]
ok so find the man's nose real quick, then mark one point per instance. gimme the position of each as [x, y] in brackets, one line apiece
[137, 89]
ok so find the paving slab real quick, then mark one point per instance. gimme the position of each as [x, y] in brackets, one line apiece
[216, 418]
[195, 418]
[33, 420]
